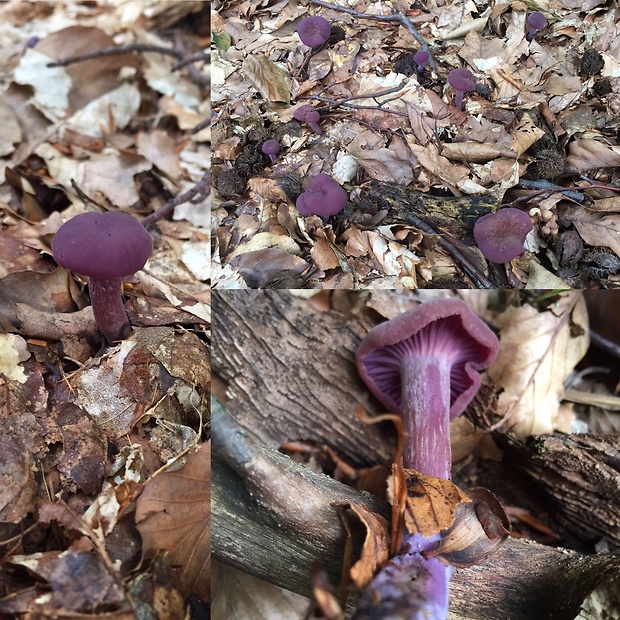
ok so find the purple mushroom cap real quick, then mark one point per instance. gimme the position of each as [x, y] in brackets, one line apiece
[102, 245]
[421, 58]
[323, 197]
[423, 364]
[314, 31]
[462, 80]
[106, 247]
[447, 326]
[271, 148]
[536, 21]
[307, 114]
[500, 235]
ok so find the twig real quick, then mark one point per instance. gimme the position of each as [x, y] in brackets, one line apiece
[398, 16]
[554, 190]
[197, 57]
[116, 50]
[200, 126]
[472, 271]
[202, 188]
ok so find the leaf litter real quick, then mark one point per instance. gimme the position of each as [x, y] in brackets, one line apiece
[543, 118]
[105, 108]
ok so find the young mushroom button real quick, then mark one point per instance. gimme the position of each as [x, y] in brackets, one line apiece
[105, 247]
[424, 364]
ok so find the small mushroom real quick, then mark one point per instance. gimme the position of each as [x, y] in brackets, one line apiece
[271, 148]
[421, 58]
[463, 81]
[105, 247]
[536, 21]
[323, 197]
[314, 31]
[307, 114]
[501, 235]
[424, 364]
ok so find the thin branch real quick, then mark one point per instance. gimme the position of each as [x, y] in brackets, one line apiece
[201, 189]
[398, 16]
[116, 50]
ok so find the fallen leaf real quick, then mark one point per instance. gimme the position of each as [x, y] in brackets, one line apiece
[173, 515]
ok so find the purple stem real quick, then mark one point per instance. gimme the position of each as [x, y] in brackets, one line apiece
[107, 301]
[410, 586]
[315, 127]
[458, 100]
[426, 414]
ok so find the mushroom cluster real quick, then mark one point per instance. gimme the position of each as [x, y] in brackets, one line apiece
[307, 114]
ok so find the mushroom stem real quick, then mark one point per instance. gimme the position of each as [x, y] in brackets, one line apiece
[426, 414]
[410, 586]
[107, 301]
[458, 99]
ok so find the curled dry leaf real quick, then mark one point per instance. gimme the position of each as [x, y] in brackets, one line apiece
[375, 551]
[538, 350]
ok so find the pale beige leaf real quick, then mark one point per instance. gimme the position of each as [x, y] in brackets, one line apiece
[597, 229]
[538, 350]
[240, 596]
[267, 78]
[589, 154]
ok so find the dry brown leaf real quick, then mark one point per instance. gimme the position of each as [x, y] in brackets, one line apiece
[431, 503]
[375, 551]
[474, 151]
[173, 515]
[537, 351]
[272, 82]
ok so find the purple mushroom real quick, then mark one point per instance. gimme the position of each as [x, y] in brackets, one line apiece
[424, 365]
[323, 197]
[462, 80]
[307, 114]
[271, 148]
[536, 21]
[105, 247]
[421, 58]
[500, 235]
[314, 31]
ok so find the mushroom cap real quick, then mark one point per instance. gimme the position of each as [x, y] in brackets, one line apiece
[536, 20]
[314, 31]
[270, 147]
[104, 246]
[462, 79]
[307, 114]
[440, 327]
[322, 197]
[500, 235]
[421, 57]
